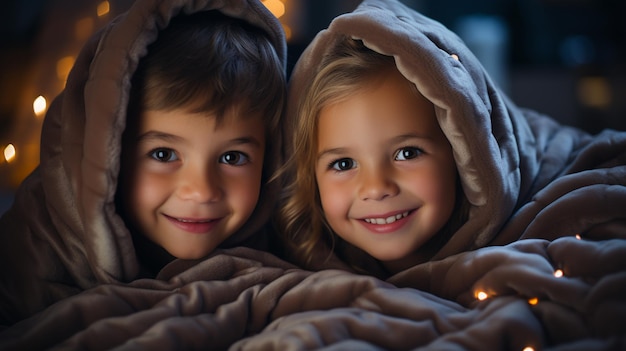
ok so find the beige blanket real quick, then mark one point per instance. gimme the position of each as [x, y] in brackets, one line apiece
[515, 276]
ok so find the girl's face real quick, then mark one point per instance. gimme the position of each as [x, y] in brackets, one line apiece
[385, 171]
[192, 183]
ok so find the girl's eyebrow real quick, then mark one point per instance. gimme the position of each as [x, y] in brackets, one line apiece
[330, 152]
[394, 140]
[404, 137]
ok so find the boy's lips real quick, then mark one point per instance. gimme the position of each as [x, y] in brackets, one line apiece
[194, 225]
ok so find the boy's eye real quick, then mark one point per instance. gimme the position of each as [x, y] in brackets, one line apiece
[164, 155]
[234, 158]
[407, 153]
[343, 164]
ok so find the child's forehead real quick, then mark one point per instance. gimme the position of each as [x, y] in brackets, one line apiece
[179, 125]
[218, 117]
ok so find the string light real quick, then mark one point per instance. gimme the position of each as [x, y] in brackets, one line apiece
[528, 348]
[578, 236]
[276, 7]
[39, 106]
[558, 273]
[481, 295]
[9, 153]
[533, 301]
[103, 8]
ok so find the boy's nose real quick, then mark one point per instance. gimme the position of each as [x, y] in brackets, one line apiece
[202, 186]
[377, 184]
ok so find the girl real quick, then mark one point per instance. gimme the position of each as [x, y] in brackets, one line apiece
[388, 188]
[404, 151]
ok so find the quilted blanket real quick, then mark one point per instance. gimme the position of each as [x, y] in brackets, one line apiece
[540, 263]
[494, 298]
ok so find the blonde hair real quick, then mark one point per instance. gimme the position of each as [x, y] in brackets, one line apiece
[301, 218]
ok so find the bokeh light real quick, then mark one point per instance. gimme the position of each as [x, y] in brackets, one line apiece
[40, 105]
[9, 153]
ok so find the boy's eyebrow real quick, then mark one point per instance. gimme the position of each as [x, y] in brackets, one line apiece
[161, 136]
[158, 136]
[246, 140]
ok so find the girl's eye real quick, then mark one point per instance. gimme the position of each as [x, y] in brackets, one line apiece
[164, 155]
[407, 153]
[234, 158]
[343, 164]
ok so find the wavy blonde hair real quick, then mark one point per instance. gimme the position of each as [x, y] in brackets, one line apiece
[301, 218]
[344, 70]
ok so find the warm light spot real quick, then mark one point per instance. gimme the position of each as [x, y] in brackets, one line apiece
[103, 8]
[40, 105]
[528, 348]
[558, 273]
[276, 7]
[578, 236]
[84, 28]
[594, 92]
[533, 301]
[455, 56]
[9, 153]
[287, 30]
[481, 295]
[64, 66]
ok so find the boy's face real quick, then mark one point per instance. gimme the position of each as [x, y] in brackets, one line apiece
[385, 170]
[193, 182]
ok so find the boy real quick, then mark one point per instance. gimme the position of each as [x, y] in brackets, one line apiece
[158, 149]
[192, 158]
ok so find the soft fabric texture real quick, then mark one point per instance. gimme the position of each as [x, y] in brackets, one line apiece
[63, 234]
[524, 175]
[533, 184]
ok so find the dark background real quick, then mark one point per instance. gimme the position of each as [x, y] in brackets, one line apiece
[564, 58]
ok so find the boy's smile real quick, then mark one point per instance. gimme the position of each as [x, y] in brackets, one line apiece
[194, 225]
[192, 182]
[385, 171]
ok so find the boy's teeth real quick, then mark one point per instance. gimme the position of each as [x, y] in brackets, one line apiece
[387, 220]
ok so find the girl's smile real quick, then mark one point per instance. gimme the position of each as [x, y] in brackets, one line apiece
[387, 224]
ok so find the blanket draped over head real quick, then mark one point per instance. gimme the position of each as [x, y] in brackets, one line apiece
[514, 277]
[63, 234]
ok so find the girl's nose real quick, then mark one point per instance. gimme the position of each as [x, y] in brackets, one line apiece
[377, 184]
[200, 184]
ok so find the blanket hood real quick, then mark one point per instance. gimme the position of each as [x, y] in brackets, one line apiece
[501, 151]
[64, 211]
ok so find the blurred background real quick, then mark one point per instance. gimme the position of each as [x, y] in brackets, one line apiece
[564, 58]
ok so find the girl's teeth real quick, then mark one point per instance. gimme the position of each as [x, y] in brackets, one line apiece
[387, 220]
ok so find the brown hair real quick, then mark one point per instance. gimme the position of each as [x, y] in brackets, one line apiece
[209, 62]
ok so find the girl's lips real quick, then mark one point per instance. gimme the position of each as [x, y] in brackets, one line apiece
[388, 223]
[194, 225]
